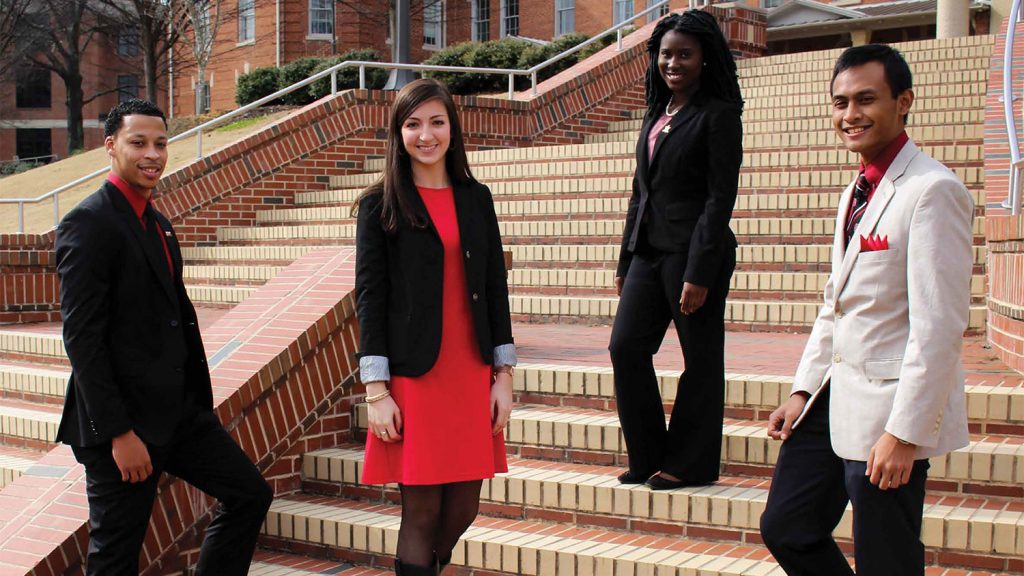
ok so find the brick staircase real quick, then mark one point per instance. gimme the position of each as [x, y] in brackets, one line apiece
[559, 510]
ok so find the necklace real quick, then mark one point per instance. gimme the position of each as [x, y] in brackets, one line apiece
[669, 105]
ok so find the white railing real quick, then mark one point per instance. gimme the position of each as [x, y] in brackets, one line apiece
[1013, 200]
[333, 73]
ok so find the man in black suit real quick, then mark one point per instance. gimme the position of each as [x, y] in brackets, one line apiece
[139, 401]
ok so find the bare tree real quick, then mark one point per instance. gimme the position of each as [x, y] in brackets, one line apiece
[12, 15]
[159, 25]
[202, 19]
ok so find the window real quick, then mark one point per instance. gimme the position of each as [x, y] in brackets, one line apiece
[481, 15]
[433, 23]
[509, 18]
[32, 143]
[657, 14]
[127, 87]
[246, 20]
[622, 10]
[128, 42]
[33, 87]
[565, 17]
[771, 3]
[321, 17]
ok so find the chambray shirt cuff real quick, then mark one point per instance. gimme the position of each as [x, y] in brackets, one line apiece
[374, 368]
[505, 355]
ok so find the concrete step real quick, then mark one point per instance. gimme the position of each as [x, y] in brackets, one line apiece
[504, 546]
[28, 425]
[732, 507]
[14, 462]
[587, 436]
[235, 275]
[33, 382]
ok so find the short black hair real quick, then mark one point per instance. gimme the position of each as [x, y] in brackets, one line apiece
[897, 72]
[115, 118]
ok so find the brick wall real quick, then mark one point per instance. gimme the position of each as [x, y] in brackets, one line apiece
[28, 289]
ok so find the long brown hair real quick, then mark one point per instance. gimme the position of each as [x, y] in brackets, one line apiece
[395, 182]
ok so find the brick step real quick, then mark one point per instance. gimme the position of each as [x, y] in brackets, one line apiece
[928, 55]
[793, 163]
[28, 425]
[964, 81]
[792, 131]
[245, 255]
[729, 510]
[819, 107]
[995, 404]
[217, 295]
[254, 275]
[818, 230]
[991, 465]
[14, 462]
[33, 382]
[268, 563]
[503, 546]
[817, 258]
[745, 285]
[43, 346]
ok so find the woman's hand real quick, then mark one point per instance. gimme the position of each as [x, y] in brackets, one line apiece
[501, 401]
[384, 416]
[693, 298]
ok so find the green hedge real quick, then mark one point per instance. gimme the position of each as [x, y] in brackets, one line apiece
[507, 53]
[265, 81]
[257, 84]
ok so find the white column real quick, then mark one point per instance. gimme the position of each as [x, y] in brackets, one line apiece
[952, 19]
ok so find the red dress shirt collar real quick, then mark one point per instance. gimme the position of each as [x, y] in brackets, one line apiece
[878, 167]
[136, 199]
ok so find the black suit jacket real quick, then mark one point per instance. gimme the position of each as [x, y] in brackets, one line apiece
[399, 281]
[130, 330]
[684, 197]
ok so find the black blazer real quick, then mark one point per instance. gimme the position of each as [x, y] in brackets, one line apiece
[130, 330]
[685, 195]
[399, 282]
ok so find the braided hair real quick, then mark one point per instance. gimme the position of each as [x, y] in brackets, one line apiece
[718, 76]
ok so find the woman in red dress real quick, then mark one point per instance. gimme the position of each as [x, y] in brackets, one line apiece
[435, 332]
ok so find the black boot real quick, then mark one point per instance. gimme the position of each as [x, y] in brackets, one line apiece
[403, 569]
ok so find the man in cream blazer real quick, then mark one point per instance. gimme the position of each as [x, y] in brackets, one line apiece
[880, 388]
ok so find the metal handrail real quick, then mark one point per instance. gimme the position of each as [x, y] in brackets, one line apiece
[1013, 200]
[333, 73]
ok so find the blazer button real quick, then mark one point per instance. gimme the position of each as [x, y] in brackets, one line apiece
[475, 296]
[174, 323]
[836, 359]
[467, 254]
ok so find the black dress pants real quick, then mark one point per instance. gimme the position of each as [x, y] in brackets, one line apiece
[200, 453]
[690, 448]
[809, 493]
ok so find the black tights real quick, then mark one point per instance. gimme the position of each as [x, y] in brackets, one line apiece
[434, 518]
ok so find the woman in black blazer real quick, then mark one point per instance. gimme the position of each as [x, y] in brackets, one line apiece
[678, 253]
[436, 351]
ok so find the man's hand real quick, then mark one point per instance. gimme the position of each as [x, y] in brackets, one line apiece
[692, 298]
[780, 423]
[132, 457]
[890, 462]
[618, 285]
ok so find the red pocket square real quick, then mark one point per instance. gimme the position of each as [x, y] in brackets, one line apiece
[874, 243]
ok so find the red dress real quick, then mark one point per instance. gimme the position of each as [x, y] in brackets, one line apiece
[446, 413]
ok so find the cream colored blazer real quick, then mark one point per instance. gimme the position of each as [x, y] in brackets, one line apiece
[888, 336]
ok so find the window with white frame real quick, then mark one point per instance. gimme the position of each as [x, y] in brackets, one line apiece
[565, 17]
[481, 16]
[509, 18]
[433, 23]
[659, 13]
[321, 17]
[622, 10]
[246, 20]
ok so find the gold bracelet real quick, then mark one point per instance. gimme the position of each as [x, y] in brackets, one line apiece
[378, 397]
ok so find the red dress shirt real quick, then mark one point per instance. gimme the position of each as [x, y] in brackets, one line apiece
[878, 167]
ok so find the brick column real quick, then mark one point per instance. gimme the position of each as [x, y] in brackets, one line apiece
[1005, 235]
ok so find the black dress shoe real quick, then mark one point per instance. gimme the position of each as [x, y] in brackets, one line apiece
[659, 482]
[630, 477]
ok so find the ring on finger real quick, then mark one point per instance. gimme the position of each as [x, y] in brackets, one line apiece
[385, 433]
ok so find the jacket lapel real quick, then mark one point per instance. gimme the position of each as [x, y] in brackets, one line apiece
[676, 122]
[879, 201]
[157, 260]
